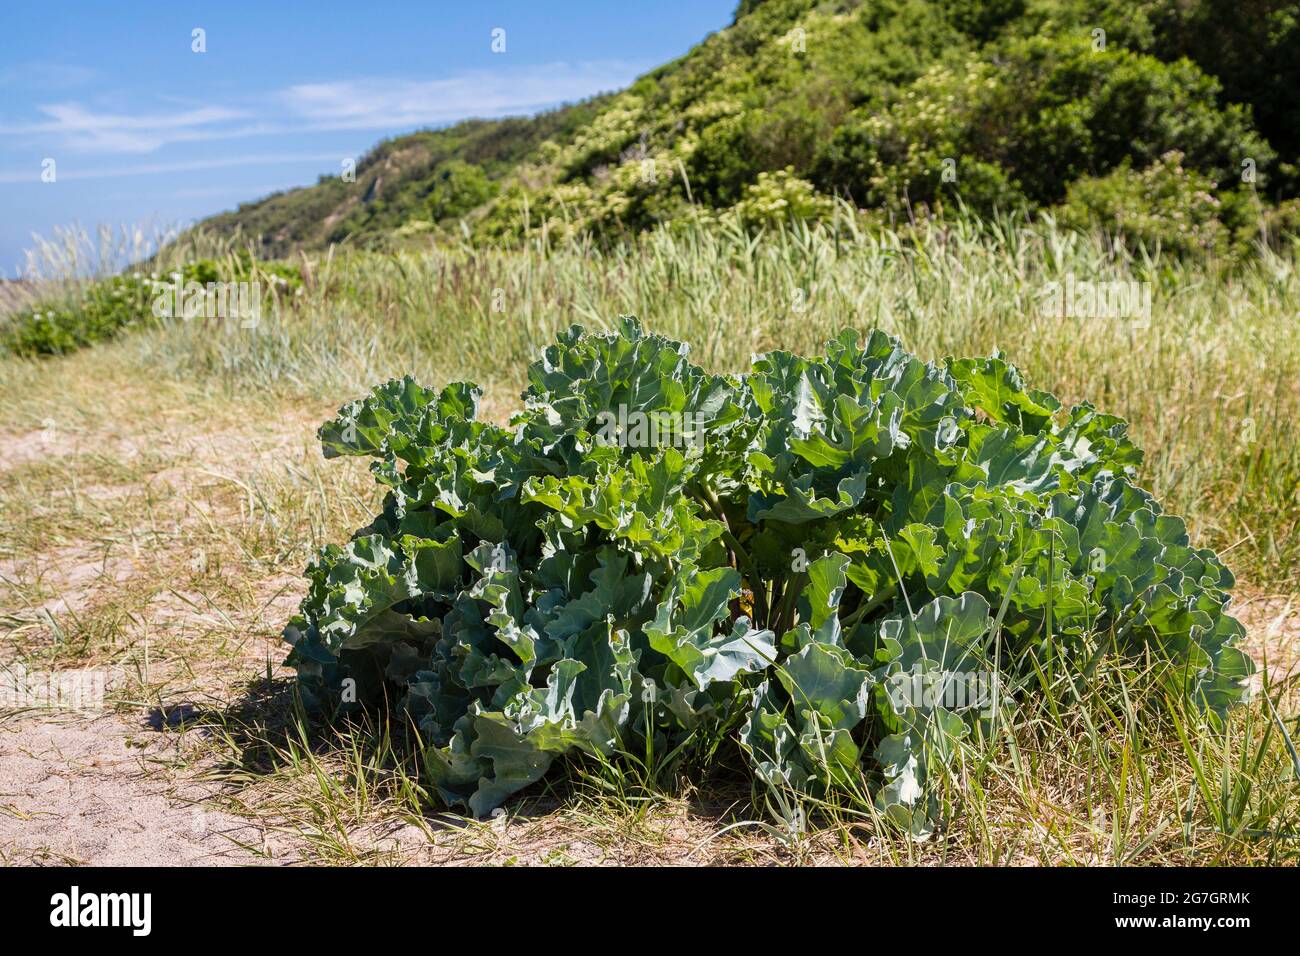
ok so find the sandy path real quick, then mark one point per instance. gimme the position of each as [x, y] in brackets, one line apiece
[106, 788]
[78, 789]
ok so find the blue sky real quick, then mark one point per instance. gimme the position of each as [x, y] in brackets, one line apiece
[143, 130]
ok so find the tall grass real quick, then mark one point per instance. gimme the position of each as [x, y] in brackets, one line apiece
[63, 263]
[77, 253]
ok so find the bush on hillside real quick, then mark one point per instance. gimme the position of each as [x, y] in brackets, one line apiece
[1164, 206]
[458, 188]
[782, 197]
[1021, 132]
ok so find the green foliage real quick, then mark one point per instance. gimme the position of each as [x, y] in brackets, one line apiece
[807, 558]
[983, 19]
[781, 197]
[241, 267]
[458, 188]
[1023, 130]
[1165, 205]
[104, 308]
[923, 148]
[1252, 50]
[1249, 48]
[725, 160]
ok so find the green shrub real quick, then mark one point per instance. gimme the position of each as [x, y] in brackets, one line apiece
[781, 197]
[1250, 50]
[1027, 128]
[801, 559]
[458, 188]
[100, 311]
[242, 267]
[104, 308]
[1165, 205]
[983, 19]
[725, 161]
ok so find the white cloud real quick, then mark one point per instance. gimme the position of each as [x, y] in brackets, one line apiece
[72, 126]
[366, 103]
[376, 103]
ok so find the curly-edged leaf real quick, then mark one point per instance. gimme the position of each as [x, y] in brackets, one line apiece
[683, 630]
[997, 389]
[825, 680]
[801, 503]
[947, 631]
[394, 416]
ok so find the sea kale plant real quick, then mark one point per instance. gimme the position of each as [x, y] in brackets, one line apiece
[840, 564]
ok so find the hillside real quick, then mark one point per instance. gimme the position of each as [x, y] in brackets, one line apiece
[1127, 113]
[395, 180]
